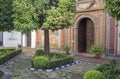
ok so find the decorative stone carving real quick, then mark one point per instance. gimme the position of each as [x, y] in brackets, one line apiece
[84, 4]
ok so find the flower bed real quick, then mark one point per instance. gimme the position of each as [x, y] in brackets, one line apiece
[6, 54]
[42, 61]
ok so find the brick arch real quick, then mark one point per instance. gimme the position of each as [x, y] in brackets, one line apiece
[81, 16]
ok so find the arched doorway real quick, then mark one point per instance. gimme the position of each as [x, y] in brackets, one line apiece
[85, 35]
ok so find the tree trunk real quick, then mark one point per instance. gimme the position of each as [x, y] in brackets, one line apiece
[46, 42]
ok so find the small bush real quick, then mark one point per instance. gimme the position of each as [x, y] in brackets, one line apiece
[39, 52]
[40, 61]
[110, 70]
[52, 61]
[8, 55]
[93, 74]
[60, 61]
[96, 49]
[66, 48]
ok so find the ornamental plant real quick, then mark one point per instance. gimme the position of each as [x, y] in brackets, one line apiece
[110, 70]
[66, 48]
[93, 74]
[96, 49]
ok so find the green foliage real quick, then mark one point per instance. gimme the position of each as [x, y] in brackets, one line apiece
[40, 61]
[66, 48]
[6, 15]
[96, 49]
[52, 61]
[25, 17]
[39, 52]
[56, 62]
[48, 14]
[110, 70]
[94, 74]
[60, 17]
[8, 55]
[113, 8]
[4, 52]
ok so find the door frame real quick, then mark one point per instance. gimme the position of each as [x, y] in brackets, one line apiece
[85, 33]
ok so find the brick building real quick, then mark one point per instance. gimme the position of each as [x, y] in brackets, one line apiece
[92, 26]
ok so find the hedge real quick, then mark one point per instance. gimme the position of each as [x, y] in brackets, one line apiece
[55, 60]
[60, 61]
[94, 74]
[12, 54]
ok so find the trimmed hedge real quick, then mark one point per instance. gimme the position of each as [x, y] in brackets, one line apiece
[10, 55]
[60, 61]
[54, 60]
[94, 74]
[40, 61]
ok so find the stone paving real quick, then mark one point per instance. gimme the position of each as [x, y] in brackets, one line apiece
[19, 68]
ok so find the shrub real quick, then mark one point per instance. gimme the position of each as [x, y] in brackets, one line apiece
[39, 52]
[60, 61]
[66, 49]
[96, 49]
[40, 61]
[93, 74]
[9, 55]
[52, 61]
[110, 70]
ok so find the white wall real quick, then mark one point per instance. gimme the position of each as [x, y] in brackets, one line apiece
[24, 40]
[118, 52]
[33, 39]
[11, 39]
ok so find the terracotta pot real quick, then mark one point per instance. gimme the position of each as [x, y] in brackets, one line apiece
[67, 53]
[97, 56]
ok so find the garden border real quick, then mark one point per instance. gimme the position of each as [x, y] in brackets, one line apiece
[56, 68]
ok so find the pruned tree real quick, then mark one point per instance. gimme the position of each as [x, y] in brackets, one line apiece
[113, 8]
[43, 14]
[6, 15]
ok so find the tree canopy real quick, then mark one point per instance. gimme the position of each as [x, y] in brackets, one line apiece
[45, 14]
[60, 17]
[6, 15]
[113, 8]
[25, 17]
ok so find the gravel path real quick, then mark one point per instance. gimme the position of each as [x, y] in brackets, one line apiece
[19, 68]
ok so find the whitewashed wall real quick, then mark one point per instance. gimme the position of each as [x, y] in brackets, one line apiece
[24, 40]
[33, 39]
[11, 39]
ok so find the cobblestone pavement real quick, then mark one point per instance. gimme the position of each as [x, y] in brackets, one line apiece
[19, 68]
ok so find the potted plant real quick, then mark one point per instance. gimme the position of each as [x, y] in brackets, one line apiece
[66, 48]
[96, 50]
[19, 45]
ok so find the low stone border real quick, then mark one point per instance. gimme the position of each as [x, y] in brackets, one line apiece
[7, 75]
[54, 69]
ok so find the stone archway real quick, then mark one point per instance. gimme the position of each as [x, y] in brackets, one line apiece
[85, 34]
